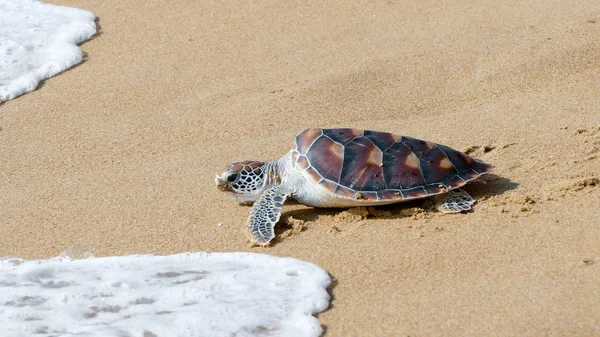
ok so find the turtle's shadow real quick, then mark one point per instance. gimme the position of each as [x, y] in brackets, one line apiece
[489, 185]
[486, 186]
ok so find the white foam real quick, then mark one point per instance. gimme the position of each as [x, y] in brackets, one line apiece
[192, 294]
[37, 41]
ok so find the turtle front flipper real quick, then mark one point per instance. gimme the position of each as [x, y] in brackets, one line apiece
[455, 201]
[264, 215]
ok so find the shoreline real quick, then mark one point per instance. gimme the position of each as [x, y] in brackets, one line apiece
[118, 155]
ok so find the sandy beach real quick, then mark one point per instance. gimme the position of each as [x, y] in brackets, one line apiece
[118, 154]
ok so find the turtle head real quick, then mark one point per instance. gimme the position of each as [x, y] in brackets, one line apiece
[244, 180]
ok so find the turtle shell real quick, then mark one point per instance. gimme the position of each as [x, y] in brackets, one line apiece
[373, 166]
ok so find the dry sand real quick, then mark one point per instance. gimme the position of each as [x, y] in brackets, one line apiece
[118, 154]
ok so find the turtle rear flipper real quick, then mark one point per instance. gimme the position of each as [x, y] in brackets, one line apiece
[455, 201]
[264, 215]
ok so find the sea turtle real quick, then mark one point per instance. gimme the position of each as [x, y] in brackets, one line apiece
[346, 168]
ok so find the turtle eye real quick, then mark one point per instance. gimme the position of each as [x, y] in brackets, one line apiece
[232, 177]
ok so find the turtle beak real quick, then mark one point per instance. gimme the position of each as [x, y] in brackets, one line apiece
[221, 183]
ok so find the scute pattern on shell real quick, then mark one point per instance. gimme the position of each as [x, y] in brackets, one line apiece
[371, 165]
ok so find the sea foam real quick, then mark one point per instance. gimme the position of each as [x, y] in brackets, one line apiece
[38, 41]
[191, 294]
